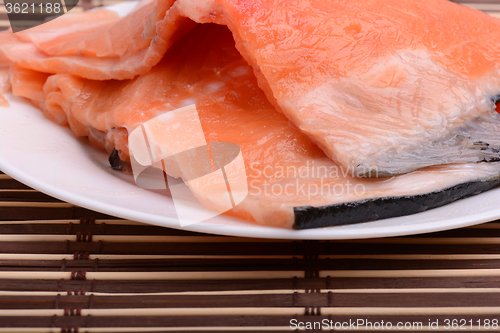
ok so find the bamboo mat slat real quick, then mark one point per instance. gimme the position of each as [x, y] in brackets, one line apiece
[64, 268]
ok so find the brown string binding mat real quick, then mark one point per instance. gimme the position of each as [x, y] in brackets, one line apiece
[68, 269]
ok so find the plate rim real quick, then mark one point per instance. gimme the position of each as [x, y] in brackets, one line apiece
[252, 231]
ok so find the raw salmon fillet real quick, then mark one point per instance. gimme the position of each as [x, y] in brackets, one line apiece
[98, 45]
[291, 182]
[395, 85]
[5, 38]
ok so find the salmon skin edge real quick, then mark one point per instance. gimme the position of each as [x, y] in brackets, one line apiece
[307, 217]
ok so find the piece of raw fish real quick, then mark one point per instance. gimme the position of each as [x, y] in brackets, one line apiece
[396, 85]
[99, 45]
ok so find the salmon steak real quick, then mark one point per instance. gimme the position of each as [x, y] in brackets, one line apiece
[329, 133]
[395, 85]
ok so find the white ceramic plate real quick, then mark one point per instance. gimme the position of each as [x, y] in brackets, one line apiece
[50, 159]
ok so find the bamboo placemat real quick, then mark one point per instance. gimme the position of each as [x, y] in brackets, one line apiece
[67, 269]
